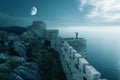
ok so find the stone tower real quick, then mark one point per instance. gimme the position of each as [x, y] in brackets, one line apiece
[39, 28]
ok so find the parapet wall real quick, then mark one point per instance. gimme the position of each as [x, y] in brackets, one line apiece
[79, 67]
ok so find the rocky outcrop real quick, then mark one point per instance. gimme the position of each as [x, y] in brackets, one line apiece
[7, 38]
[26, 71]
[14, 29]
[3, 37]
[12, 37]
[13, 59]
[29, 37]
[19, 48]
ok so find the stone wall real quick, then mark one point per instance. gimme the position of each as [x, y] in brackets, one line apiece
[75, 66]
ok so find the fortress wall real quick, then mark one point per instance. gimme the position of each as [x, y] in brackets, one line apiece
[72, 53]
[79, 67]
[73, 61]
[72, 73]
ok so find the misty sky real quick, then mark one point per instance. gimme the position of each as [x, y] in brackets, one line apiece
[56, 13]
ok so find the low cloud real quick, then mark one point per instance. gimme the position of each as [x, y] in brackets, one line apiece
[104, 10]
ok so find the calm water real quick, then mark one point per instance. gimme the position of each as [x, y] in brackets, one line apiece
[103, 48]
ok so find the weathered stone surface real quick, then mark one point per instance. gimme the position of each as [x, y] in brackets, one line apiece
[92, 73]
[29, 37]
[66, 45]
[27, 71]
[82, 64]
[3, 37]
[73, 51]
[69, 49]
[4, 68]
[62, 49]
[76, 58]
[39, 28]
[19, 48]
[17, 58]
[54, 45]
[12, 37]
[15, 76]
[4, 57]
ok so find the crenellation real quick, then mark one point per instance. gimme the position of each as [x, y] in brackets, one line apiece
[92, 73]
[82, 63]
[73, 51]
[69, 49]
[66, 45]
[77, 56]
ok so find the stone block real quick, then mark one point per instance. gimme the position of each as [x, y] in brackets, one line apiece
[72, 53]
[82, 63]
[66, 45]
[76, 58]
[62, 49]
[92, 73]
[69, 50]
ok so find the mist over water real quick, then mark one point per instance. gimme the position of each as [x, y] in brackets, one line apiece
[103, 48]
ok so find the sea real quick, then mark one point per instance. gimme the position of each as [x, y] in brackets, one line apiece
[103, 47]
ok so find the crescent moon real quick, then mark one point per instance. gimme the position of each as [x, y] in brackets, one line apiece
[33, 11]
